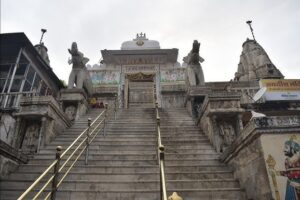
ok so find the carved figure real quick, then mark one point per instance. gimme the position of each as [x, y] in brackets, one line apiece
[228, 134]
[31, 138]
[255, 63]
[79, 73]
[194, 70]
[71, 112]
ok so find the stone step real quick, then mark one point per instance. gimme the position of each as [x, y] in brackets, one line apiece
[95, 185]
[135, 162]
[119, 131]
[165, 140]
[171, 148]
[141, 150]
[133, 156]
[99, 183]
[106, 157]
[81, 161]
[136, 135]
[108, 142]
[203, 184]
[111, 147]
[146, 194]
[136, 174]
[135, 123]
[80, 176]
[211, 193]
[204, 175]
[105, 169]
[108, 152]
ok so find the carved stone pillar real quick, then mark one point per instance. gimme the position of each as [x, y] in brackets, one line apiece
[216, 140]
[16, 137]
[240, 122]
[41, 133]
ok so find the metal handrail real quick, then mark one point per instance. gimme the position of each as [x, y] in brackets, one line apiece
[160, 158]
[90, 132]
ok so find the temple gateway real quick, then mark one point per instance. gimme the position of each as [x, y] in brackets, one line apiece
[143, 125]
[140, 73]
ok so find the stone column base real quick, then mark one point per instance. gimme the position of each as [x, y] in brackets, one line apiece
[74, 102]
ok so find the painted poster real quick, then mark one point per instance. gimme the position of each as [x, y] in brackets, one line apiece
[105, 77]
[282, 157]
[173, 75]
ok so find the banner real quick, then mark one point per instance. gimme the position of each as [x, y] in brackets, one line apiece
[280, 89]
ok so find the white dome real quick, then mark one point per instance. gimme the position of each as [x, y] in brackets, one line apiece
[141, 42]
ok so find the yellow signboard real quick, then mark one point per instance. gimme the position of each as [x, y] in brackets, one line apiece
[280, 85]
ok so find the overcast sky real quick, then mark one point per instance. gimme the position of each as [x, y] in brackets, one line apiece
[219, 26]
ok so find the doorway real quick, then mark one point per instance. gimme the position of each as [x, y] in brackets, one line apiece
[140, 90]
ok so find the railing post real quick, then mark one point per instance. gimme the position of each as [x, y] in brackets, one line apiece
[115, 110]
[56, 168]
[87, 141]
[163, 193]
[105, 118]
[158, 136]
[156, 108]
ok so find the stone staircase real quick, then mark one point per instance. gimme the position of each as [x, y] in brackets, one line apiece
[122, 165]
[193, 168]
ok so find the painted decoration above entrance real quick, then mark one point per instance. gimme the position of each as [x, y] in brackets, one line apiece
[105, 77]
[140, 77]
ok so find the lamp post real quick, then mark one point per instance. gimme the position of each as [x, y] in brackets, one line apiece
[43, 32]
[251, 29]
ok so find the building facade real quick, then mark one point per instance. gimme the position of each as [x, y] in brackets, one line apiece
[140, 73]
[243, 118]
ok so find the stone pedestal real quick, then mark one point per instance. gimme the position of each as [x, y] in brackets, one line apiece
[38, 122]
[74, 102]
[220, 118]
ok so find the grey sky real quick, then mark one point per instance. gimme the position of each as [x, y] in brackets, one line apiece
[219, 26]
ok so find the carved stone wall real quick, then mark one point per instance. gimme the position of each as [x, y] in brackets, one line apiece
[74, 103]
[7, 127]
[220, 119]
[258, 156]
[39, 120]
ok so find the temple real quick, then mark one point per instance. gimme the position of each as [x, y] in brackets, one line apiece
[143, 125]
[138, 73]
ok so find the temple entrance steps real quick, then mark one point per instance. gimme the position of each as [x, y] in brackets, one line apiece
[193, 168]
[123, 166]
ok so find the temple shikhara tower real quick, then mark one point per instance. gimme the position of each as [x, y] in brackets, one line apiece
[142, 124]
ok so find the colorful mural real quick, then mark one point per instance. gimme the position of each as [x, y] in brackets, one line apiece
[283, 164]
[105, 77]
[173, 75]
